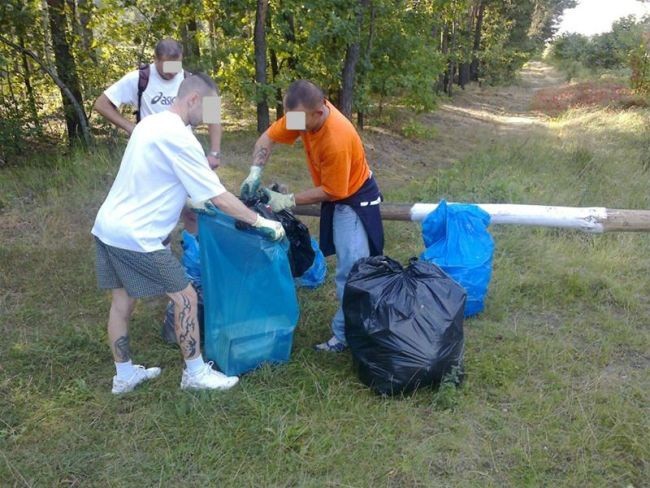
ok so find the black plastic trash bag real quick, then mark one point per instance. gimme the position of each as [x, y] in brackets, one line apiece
[404, 326]
[301, 254]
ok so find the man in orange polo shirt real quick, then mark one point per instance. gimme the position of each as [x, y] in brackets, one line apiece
[343, 184]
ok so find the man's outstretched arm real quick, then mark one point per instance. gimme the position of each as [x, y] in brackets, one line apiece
[261, 154]
[281, 201]
[230, 204]
[106, 108]
[214, 155]
[262, 149]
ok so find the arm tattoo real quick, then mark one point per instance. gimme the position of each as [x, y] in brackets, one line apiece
[187, 328]
[121, 349]
[261, 156]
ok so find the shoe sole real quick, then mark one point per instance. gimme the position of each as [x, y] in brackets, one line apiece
[221, 388]
[336, 351]
[121, 392]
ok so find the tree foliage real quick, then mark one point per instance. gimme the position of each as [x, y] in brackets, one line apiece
[603, 51]
[361, 52]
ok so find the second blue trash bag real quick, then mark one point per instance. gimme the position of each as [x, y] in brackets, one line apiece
[456, 239]
[316, 273]
[191, 257]
[251, 309]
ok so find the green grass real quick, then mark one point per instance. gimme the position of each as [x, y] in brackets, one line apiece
[557, 384]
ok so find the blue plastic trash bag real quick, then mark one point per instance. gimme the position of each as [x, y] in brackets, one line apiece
[457, 240]
[316, 273]
[191, 257]
[249, 296]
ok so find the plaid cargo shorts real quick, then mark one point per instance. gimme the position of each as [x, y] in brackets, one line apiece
[142, 274]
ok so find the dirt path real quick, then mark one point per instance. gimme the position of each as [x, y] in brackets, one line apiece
[473, 118]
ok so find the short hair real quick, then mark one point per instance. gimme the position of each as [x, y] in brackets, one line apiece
[305, 93]
[168, 48]
[199, 82]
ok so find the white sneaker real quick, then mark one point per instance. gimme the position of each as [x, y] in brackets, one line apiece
[332, 345]
[141, 374]
[207, 379]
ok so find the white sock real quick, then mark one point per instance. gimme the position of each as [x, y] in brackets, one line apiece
[124, 370]
[194, 365]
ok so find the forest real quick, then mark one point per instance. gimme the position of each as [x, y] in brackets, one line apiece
[57, 56]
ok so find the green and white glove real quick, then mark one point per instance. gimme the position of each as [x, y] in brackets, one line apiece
[269, 228]
[252, 182]
[279, 201]
[205, 206]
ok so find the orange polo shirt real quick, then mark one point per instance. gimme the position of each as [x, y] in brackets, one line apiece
[335, 154]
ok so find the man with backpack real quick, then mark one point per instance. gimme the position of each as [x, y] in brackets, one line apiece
[151, 89]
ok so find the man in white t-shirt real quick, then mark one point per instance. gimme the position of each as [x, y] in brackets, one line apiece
[165, 75]
[162, 164]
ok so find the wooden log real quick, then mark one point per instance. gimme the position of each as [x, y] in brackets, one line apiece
[619, 220]
[587, 219]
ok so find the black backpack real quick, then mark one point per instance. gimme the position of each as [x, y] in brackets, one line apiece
[144, 70]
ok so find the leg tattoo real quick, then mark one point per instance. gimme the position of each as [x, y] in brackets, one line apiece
[121, 349]
[186, 329]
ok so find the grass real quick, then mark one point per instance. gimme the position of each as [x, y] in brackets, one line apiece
[556, 392]
[554, 101]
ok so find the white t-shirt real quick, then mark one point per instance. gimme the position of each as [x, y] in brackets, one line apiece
[162, 164]
[157, 97]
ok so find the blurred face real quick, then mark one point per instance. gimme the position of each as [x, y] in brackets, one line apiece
[195, 105]
[168, 67]
[313, 118]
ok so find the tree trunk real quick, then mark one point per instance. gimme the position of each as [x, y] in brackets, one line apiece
[27, 78]
[85, 9]
[466, 48]
[212, 36]
[444, 49]
[66, 69]
[474, 66]
[191, 52]
[80, 41]
[259, 40]
[366, 62]
[290, 37]
[350, 65]
[12, 95]
[463, 74]
[452, 62]
[48, 54]
[348, 75]
[78, 109]
[275, 71]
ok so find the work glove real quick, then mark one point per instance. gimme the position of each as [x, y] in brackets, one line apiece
[252, 182]
[269, 228]
[279, 201]
[205, 206]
